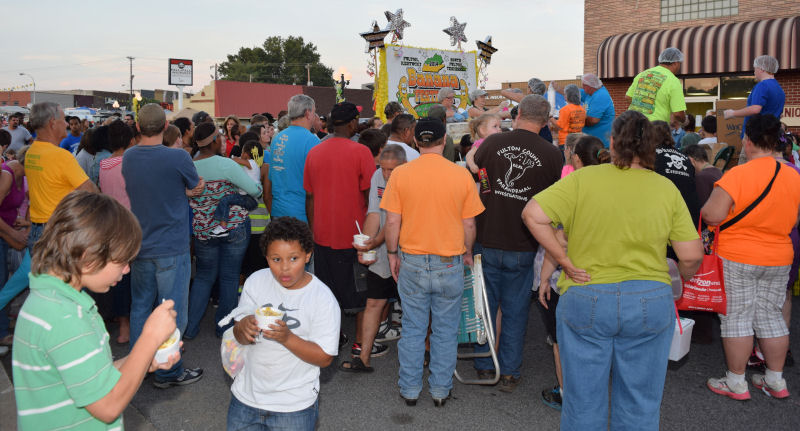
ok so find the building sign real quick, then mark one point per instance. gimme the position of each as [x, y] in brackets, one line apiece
[414, 76]
[180, 72]
[791, 116]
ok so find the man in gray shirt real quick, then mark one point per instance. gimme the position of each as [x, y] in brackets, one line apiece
[20, 136]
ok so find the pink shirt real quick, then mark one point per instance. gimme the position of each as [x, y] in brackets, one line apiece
[566, 170]
[111, 181]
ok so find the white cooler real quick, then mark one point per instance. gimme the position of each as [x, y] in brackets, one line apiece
[681, 342]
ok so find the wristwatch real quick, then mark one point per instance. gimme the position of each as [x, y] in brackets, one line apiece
[390, 251]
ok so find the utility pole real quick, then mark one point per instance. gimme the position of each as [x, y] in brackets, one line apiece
[308, 72]
[130, 103]
[216, 77]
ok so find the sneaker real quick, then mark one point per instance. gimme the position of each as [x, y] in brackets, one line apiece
[508, 383]
[756, 361]
[396, 315]
[552, 397]
[777, 390]
[440, 402]
[387, 332]
[342, 339]
[3, 351]
[720, 386]
[378, 350]
[218, 232]
[189, 376]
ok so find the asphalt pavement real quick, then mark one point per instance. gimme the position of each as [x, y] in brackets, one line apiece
[371, 401]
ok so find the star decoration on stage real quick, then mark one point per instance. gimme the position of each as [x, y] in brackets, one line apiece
[375, 37]
[486, 49]
[456, 32]
[396, 23]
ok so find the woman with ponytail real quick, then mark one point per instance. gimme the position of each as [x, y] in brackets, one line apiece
[616, 314]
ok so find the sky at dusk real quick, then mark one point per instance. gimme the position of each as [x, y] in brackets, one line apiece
[84, 45]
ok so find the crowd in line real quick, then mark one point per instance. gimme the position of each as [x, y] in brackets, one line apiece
[325, 216]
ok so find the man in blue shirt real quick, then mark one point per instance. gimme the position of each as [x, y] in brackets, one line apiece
[285, 195]
[767, 96]
[599, 108]
[158, 180]
[73, 139]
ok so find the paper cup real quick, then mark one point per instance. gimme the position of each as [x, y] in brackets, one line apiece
[370, 256]
[264, 321]
[462, 163]
[164, 352]
[360, 239]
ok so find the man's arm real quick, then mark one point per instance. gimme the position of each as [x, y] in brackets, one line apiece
[469, 238]
[392, 237]
[310, 210]
[744, 112]
[511, 95]
[88, 186]
[591, 121]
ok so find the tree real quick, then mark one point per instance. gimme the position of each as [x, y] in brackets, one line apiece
[277, 61]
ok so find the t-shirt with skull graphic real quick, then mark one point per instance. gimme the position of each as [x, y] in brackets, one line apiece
[519, 164]
[674, 165]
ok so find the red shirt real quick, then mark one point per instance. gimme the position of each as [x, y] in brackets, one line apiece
[337, 172]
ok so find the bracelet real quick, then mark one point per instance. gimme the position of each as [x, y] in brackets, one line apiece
[391, 252]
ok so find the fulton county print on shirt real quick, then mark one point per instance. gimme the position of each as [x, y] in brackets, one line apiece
[519, 161]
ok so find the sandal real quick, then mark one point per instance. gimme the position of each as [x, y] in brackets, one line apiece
[355, 366]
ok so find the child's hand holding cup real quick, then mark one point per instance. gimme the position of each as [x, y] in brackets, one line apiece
[266, 316]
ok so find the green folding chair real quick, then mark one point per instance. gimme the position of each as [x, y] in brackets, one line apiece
[476, 325]
[724, 154]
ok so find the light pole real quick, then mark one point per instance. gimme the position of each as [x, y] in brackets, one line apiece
[34, 86]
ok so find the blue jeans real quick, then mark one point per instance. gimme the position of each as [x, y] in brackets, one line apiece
[242, 417]
[432, 286]
[153, 280]
[19, 281]
[508, 276]
[217, 258]
[622, 330]
[223, 206]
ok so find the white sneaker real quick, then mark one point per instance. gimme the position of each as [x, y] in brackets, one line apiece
[387, 332]
[218, 231]
[776, 390]
[720, 386]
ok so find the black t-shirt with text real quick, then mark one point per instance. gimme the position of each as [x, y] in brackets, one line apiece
[519, 164]
[674, 165]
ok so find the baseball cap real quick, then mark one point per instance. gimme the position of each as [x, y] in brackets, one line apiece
[474, 94]
[429, 130]
[199, 117]
[343, 113]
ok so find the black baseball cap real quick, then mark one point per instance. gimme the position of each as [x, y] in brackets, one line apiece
[429, 130]
[343, 113]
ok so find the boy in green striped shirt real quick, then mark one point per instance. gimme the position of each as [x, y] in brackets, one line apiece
[64, 376]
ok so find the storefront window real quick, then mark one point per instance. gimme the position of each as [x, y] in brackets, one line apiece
[700, 87]
[736, 87]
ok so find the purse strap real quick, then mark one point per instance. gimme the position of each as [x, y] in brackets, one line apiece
[755, 203]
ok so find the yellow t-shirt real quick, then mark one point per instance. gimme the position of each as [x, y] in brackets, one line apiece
[52, 173]
[433, 196]
[618, 221]
[656, 93]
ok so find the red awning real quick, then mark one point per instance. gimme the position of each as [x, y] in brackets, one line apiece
[713, 49]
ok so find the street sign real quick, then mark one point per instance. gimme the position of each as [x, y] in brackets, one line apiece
[180, 72]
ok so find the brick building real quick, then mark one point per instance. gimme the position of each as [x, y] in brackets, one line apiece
[720, 39]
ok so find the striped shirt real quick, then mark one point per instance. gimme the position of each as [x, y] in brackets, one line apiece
[61, 359]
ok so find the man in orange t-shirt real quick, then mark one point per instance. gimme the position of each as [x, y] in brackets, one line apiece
[430, 206]
[571, 117]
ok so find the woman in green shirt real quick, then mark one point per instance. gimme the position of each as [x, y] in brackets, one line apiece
[616, 314]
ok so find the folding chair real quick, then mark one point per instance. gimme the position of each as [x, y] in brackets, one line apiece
[476, 324]
[725, 155]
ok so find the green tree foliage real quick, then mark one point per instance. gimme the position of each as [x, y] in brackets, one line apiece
[277, 61]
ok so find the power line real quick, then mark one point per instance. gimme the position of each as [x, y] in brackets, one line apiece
[63, 65]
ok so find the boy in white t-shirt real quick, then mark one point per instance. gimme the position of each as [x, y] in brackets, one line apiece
[252, 155]
[278, 386]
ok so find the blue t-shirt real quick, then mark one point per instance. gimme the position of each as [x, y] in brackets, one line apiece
[599, 105]
[769, 94]
[288, 150]
[70, 143]
[156, 179]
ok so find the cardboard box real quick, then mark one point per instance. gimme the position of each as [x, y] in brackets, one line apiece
[730, 131]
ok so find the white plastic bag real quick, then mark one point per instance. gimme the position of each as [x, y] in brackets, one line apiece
[231, 352]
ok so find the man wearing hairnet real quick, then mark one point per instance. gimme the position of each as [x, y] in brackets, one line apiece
[657, 93]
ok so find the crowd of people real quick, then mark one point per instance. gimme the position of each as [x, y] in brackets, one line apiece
[331, 217]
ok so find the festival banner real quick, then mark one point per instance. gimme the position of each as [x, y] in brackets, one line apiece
[414, 76]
